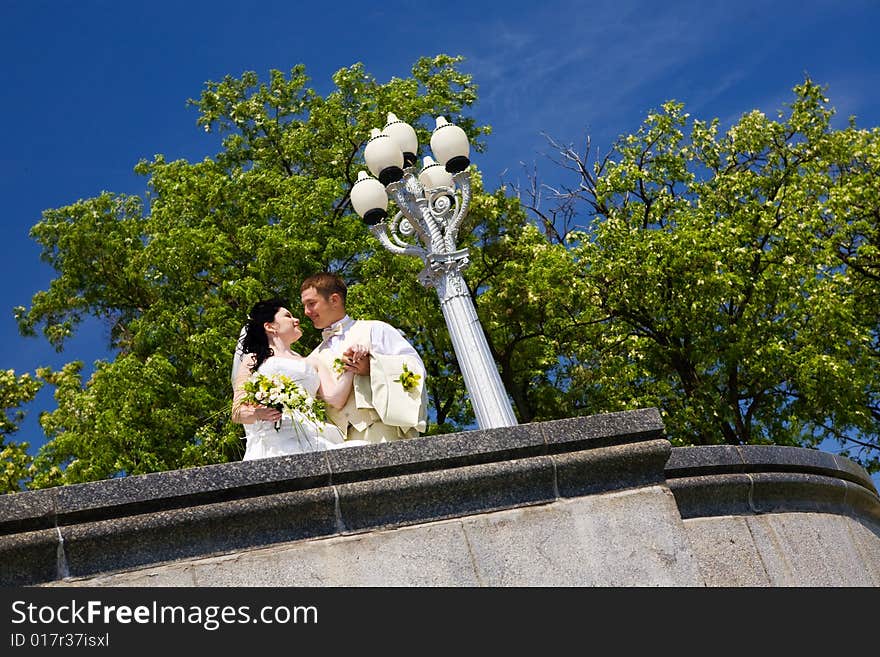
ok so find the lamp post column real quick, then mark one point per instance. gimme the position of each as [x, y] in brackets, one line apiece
[487, 394]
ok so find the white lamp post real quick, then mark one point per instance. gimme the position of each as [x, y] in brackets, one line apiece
[432, 205]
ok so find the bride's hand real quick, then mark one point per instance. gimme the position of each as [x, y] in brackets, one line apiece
[250, 413]
[267, 413]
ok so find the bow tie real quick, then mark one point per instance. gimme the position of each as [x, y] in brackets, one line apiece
[330, 331]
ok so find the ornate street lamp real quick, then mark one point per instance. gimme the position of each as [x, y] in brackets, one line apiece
[432, 205]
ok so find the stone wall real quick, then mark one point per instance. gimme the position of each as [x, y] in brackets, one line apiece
[777, 516]
[592, 501]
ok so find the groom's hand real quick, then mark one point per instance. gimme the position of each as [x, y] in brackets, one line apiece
[357, 360]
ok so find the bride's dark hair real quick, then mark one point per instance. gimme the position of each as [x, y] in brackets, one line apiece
[255, 340]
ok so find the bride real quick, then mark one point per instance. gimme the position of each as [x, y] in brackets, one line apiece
[265, 347]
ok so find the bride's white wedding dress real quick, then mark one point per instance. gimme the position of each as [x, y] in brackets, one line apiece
[296, 435]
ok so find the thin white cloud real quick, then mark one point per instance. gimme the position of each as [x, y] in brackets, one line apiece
[591, 64]
[574, 68]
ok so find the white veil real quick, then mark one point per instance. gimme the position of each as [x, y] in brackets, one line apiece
[239, 354]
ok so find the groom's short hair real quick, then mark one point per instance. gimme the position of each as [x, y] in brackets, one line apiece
[325, 284]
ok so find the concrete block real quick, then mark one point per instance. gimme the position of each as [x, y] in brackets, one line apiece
[429, 496]
[613, 467]
[726, 552]
[630, 538]
[809, 549]
[133, 541]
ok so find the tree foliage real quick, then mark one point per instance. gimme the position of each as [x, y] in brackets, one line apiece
[738, 277]
[15, 391]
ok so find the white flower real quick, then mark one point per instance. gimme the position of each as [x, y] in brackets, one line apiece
[285, 394]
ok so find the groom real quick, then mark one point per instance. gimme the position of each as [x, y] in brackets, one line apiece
[388, 401]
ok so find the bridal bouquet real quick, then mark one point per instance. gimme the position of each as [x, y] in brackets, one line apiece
[281, 392]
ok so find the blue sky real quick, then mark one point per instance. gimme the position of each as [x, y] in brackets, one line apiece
[90, 87]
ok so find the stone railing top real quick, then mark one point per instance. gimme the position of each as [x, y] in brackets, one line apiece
[44, 509]
[724, 480]
[729, 459]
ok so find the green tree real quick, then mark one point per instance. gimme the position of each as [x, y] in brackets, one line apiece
[738, 277]
[531, 303]
[15, 391]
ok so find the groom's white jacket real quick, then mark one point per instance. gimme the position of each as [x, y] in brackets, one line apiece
[378, 399]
